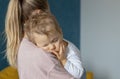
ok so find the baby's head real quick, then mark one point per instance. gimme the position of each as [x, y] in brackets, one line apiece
[43, 30]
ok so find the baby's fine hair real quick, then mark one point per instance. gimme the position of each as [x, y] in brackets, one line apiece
[42, 23]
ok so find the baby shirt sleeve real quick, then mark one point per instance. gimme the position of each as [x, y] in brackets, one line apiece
[74, 64]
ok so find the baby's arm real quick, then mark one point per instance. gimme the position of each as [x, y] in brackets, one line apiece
[73, 64]
[74, 67]
[71, 61]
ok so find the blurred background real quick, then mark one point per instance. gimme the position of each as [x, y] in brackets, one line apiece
[100, 37]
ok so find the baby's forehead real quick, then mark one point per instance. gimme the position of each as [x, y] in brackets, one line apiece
[52, 35]
[43, 38]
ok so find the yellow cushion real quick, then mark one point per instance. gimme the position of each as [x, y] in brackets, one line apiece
[89, 75]
[9, 73]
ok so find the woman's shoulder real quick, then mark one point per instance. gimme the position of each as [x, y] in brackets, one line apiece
[25, 43]
[28, 51]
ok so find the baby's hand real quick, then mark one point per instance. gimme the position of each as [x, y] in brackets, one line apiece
[61, 54]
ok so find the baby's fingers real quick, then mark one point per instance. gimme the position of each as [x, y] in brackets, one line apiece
[62, 49]
[55, 53]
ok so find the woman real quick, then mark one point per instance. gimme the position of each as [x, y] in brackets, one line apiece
[32, 62]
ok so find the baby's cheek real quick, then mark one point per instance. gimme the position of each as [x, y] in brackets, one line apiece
[45, 49]
[57, 49]
[48, 51]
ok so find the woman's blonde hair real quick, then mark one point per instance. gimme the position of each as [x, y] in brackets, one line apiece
[18, 12]
[42, 23]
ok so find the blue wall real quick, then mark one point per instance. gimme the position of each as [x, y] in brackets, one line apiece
[3, 8]
[67, 13]
[100, 37]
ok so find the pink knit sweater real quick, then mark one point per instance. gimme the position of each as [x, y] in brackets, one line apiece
[34, 63]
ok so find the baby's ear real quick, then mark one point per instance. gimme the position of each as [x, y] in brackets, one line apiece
[65, 43]
[37, 11]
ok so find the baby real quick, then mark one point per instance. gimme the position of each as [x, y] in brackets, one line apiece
[44, 31]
